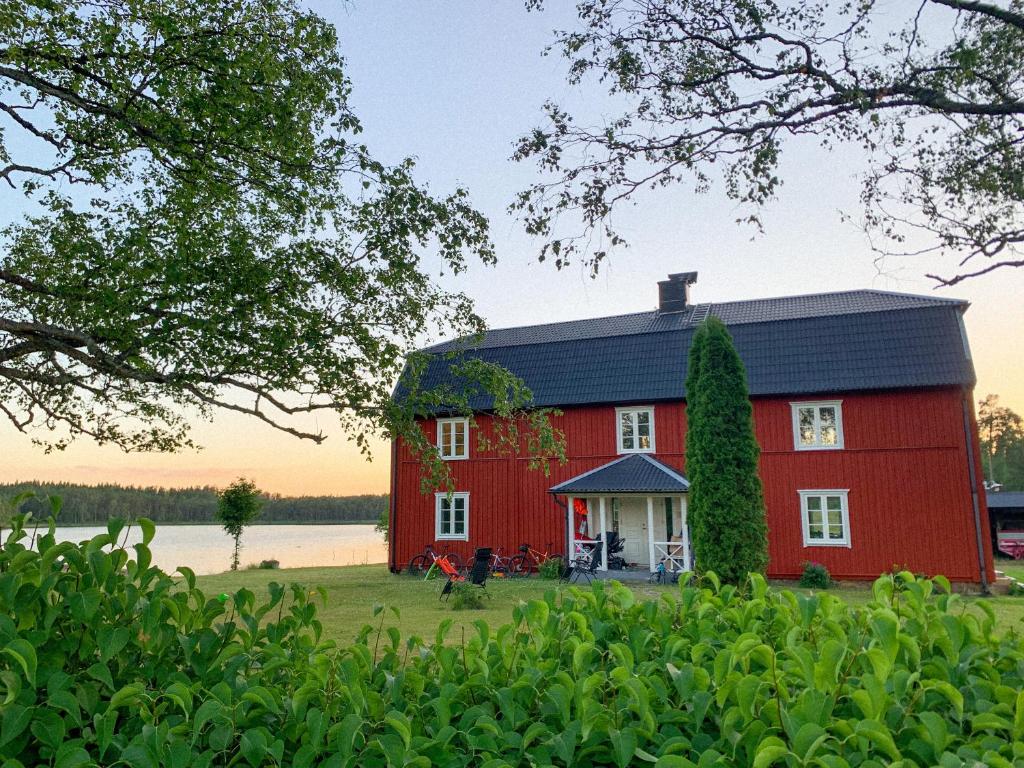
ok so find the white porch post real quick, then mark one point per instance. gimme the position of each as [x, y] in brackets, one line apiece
[650, 530]
[570, 523]
[685, 535]
[604, 535]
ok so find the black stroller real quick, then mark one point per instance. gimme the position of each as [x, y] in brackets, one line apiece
[616, 562]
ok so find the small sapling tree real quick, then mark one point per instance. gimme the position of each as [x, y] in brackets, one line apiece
[730, 535]
[237, 506]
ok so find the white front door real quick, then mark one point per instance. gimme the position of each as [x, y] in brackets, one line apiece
[633, 528]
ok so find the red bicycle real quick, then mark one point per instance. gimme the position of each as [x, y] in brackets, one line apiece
[421, 563]
[529, 560]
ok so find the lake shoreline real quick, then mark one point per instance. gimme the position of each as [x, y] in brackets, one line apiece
[208, 549]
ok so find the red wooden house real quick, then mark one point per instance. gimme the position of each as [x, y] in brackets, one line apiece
[862, 408]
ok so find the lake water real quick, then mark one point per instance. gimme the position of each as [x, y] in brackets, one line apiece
[207, 549]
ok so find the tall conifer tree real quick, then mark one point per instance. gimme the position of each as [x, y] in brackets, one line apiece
[730, 534]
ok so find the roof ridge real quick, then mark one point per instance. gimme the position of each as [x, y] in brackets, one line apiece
[944, 299]
[577, 320]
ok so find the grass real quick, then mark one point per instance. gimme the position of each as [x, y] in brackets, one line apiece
[354, 590]
[1014, 569]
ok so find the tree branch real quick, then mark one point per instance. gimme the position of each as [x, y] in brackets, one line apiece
[986, 9]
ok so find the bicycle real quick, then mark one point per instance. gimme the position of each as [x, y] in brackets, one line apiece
[528, 560]
[659, 575]
[422, 563]
[499, 564]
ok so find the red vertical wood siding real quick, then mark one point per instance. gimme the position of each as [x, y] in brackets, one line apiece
[904, 462]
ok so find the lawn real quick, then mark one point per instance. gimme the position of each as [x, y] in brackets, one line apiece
[352, 592]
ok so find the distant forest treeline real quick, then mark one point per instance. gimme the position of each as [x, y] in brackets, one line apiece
[85, 504]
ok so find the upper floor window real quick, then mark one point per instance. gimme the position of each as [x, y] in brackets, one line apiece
[826, 518]
[818, 425]
[636, 429]
[452, 521]
[453, 438]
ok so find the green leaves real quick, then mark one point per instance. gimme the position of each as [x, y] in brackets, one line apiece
[624, 744]
[771, 751]
[22, 652]
[14, 721]
[704, 91]
[148, 530]
[232, 239]
[1018, 717]
[751, 675]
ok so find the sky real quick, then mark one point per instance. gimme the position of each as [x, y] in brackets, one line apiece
[453, 84]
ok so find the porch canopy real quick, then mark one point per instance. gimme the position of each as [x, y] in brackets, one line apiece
[635, 473]
[629, 482]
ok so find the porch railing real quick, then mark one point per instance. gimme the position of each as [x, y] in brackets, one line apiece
[581, 547]
[675, 554]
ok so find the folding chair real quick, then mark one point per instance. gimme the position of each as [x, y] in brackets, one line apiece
[584, 565]
[481, 567]
[477, 575]
[451, 572]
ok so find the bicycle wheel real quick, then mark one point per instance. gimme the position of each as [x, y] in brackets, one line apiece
[454, 559]
[517, 567]
[418, 565]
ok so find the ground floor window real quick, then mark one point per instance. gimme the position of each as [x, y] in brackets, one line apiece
[668, 518]
[452, 516]
[825, 517]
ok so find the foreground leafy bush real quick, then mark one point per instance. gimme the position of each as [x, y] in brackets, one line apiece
[105, 659]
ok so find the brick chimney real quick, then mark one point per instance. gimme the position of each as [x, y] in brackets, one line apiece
[674, 293]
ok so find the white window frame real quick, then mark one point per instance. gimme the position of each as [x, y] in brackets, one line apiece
[635, 409]
[817, 405]
[464, 420]
[439, 499]
[844, 511]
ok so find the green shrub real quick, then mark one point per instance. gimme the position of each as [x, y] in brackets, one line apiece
[264, 565]
[104, 659]
[815, 576]
[727, 518]
[551, 568]
[467, 596]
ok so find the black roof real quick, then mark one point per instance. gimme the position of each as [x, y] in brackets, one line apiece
[1005, 499]
[833, 342]
[635, 473]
